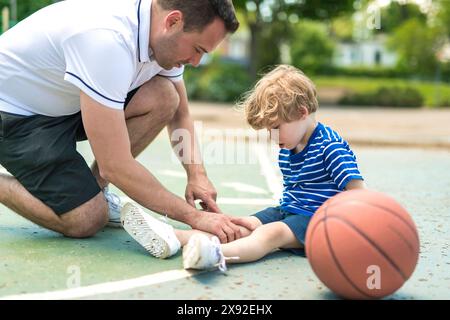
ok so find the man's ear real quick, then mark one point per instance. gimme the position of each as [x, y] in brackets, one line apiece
[174, 20]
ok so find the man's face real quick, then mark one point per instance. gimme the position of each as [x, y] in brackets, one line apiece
[175, 47]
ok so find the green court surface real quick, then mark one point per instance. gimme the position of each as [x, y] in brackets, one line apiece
[112, 265]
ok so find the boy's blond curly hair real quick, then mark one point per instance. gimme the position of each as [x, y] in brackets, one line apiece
[278, 96]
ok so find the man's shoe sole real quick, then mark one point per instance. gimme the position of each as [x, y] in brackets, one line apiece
[135, 224]
[114, 224]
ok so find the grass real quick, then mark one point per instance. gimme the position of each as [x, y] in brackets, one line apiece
[431, 91]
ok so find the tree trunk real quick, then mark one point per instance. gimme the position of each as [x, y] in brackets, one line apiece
[254, 50]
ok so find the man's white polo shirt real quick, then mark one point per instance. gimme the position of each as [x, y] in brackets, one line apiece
[98, 46]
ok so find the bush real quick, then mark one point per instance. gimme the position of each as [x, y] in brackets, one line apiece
[218, 81]
[385, 97]
[367, 72]
[311, 47]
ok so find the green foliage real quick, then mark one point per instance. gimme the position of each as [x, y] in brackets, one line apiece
[416, 45]
[27, 7]
[218, 81]
[261, 15]
[443, 16]
[342, 27]
[396, 14]
[385, 97]
[436, 94]
[311, 47]
[365, 72]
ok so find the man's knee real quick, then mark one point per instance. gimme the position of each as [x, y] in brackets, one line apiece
[170, 99]
[86, 220]
[163, 95]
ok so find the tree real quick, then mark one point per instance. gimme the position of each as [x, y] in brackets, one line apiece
[417, 44]
[311, 47]
[443, 16]
[397, 13]
[26, 7]
[261, 15]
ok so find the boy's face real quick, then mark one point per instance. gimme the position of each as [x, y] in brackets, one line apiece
[289, 135]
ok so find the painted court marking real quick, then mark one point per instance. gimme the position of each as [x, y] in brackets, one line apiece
[268, 171]
[119, 286]
[244, 187]
[107, 287]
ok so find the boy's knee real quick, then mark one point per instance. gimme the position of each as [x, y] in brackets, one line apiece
[274, 233]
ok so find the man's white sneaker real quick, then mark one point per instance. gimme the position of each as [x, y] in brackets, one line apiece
[157, 237]
[201, 253]
[115, 205]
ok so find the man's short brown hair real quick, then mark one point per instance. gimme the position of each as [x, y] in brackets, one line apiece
[200, 13]
[278, 97]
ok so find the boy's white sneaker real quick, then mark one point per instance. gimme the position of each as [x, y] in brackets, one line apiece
[157, 237]
[115, 205]
[201, 253]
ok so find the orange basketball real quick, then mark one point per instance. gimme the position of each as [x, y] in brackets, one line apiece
[362, 244]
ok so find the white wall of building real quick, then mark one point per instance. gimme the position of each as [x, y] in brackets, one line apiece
[367, 53]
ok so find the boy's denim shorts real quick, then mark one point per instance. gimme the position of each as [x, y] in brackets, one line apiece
[298, 223]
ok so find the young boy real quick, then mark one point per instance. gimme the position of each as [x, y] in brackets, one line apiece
[316, 164]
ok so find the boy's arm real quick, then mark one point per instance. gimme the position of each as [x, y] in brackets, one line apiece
[355, 184]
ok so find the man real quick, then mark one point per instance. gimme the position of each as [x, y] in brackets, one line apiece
[109, 71]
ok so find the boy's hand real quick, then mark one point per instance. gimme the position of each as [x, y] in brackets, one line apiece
[243, 223]
[220, 225]
[355, 184]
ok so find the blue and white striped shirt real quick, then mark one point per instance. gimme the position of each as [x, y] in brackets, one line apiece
[321, 170]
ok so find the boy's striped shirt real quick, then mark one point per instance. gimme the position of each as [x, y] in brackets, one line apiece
[321, 170]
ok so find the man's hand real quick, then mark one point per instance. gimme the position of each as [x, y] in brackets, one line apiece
[217, 224]
[199, 187]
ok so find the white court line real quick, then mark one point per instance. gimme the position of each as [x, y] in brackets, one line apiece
[275, 188]
[247, 201]
[107, 287]
[268, 171]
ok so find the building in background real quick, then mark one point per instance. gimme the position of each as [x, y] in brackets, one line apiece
[366, 53]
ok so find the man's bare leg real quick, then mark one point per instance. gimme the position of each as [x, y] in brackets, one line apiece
[150, 110]
[81, 222]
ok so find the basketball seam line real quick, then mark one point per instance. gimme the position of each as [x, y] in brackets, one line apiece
[410, 246]
[337, 262]
[412, 228]
[373, 244]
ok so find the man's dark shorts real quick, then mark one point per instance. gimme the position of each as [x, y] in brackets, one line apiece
[40, 152]
[298, 223]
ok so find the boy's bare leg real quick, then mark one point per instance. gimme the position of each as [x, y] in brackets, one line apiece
[184, 235]
[261, 242]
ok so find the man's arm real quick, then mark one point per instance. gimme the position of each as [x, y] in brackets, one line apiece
[108, 136]
[199, 186]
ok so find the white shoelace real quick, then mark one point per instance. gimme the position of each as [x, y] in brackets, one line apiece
[222, 259]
